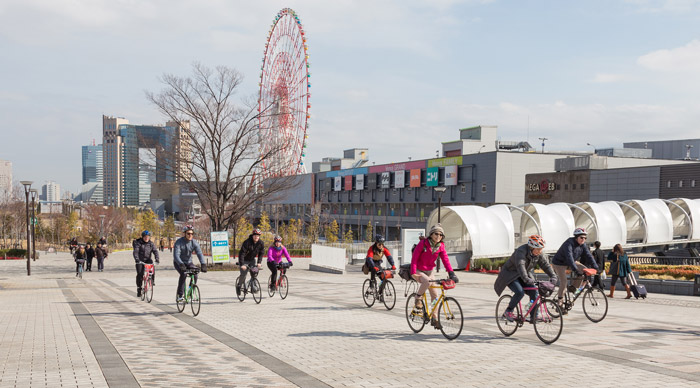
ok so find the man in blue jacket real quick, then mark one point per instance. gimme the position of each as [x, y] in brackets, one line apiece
[182, 258]
[569, 256]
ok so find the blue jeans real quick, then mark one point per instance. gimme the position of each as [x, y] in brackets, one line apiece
[517, 286]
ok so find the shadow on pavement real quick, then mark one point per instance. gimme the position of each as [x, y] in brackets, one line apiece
[435, 336]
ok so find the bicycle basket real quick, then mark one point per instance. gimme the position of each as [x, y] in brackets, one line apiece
[546, 289]
[448, 284]
[589, 271]
[254, 271]
[405, 272]
[386, 274]
[283, 265]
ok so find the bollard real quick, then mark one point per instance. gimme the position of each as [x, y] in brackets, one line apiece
[696, 285]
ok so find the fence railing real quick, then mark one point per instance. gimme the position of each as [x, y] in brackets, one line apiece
[664, 260]
[360, 249]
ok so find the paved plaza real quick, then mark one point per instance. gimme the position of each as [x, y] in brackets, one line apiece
[59, 331]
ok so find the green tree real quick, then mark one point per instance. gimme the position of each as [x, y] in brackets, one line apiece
[314, 229]
[72, 224]
[146, 220]
[369, 232]
[241, 230]
[331, 232]
[169, 227]
[349, 236]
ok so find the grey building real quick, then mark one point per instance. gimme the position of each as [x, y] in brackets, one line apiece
[688, 149]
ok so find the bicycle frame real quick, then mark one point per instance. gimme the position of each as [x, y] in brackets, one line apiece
[148, 271]
[543, 306]
[438, 300]
[282, 271]
[568, 300]
[188, 292]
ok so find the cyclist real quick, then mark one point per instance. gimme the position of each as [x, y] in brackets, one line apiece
[375, 254]
[569, 255]
[600, 260]
[251, 247]
[182, 258]
[274, 258]
[143, 248]
[518, 273]
[425, 256]
[80, 255]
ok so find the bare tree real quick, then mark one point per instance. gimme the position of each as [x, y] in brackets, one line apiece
[219, 155]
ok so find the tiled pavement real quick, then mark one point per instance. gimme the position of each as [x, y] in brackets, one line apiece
[56, 330]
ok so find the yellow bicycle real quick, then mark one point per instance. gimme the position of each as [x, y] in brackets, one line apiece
[449, 312]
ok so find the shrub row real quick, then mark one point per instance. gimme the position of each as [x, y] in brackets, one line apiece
[292, 252]
[13, 252]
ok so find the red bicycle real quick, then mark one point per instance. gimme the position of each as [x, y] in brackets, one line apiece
[282, 283]
[148, 272]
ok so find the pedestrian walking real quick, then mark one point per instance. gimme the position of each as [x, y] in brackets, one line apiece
[162, 244]
[619, 269]
[599, 257]
[90, 255]
[101, 255]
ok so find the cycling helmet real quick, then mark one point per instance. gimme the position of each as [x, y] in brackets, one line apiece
[277, 239]
[379, 239]
[257, 231]
[535, 241]
[187, 228]
[145, 233]
[580, 231]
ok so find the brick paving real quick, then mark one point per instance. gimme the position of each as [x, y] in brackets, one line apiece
[56, 330]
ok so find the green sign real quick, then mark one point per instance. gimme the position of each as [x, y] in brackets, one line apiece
[432, 175]
[453, 161]
[219, 247]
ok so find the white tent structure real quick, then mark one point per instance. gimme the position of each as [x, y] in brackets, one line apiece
[474, 232]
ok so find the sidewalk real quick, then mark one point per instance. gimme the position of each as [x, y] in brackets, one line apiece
[56, 330]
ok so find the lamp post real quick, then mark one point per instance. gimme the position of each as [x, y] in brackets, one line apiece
[102, 221]
[27, 186]
[439, 190]
[591, 145]
[34, 193]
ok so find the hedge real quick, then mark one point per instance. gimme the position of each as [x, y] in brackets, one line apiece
[292, 252]
[13, 252]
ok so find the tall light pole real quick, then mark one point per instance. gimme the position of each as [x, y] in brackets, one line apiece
[27, 186]
[439, 190]
[591, 145]
[102, 222]
[34, 193]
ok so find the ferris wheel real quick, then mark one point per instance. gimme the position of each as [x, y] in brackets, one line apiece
[283, 103]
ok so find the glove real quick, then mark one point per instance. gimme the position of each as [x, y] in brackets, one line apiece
[453, 277]
[530, 282]
[291, 264]
[376, 269]
[157, 261]
[393, 267]
[204, 268]
[183, 267]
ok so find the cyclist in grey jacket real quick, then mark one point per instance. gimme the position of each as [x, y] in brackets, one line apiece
[573, 250]
[182, 257]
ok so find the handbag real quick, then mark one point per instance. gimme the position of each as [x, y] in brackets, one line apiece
[603, 275]
[615, 267]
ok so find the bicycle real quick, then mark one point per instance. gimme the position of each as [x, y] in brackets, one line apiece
[548, 320]
[81, 263]
[410, 285]
[595, 303]
[282, 283]
[251, 286]
[449, 312]
[192, 295]
[385, 292]
[148, 273]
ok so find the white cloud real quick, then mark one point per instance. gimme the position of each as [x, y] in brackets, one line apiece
[657, 6]
[684, 59]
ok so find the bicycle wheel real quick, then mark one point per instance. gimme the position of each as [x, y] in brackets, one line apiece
[388, 295]
[284, 286]
[368, 292]
[595, 304]
[181, 303]
[506, 327]
[411, 287]
[240, 295]
[149, 290]
[195, 301]
[415, 315]
[270, 290]
[144, 284]
[548, 321]
[450, 318]
[256, 290]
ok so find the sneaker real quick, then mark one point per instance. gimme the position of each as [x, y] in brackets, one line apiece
[138, 293]
[509, 316]
[180, 299]
[435, 323]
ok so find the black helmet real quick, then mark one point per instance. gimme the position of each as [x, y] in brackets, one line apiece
[379, 239]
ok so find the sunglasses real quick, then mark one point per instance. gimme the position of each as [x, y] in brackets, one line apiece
[189, 233]
[583, 237]
[439, 234]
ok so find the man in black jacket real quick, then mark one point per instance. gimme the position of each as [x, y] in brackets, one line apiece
[143, 248]
[599, 257]
[251, 247]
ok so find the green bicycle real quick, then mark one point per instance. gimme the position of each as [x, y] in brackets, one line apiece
[191, 293]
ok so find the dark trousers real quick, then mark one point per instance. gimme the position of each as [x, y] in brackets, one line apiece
[517, 286]
[100, 263]
[140, 268]
[371, 263]
[181, 281]
[597, 281]
[88, 264]
[272, 266]
[241, 279]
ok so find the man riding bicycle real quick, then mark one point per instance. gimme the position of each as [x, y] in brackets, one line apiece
[251, 247]
[182, 258]
[375, 255]
[518, 273]
[143, 248]
[568, 256]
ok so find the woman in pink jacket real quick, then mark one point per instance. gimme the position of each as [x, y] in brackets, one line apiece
[423, 262]
[274, 258]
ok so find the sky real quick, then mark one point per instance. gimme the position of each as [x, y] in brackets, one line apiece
[398, 77]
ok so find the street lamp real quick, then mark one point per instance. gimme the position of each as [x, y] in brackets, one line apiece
[102, 221]
[439, 190]
[34, 193]
[591, 145]
[27, 186]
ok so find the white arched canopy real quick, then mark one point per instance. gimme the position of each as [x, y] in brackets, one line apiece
[611, 227]
[483, 231]
[657, 216]
[692, 209]
[556, 223]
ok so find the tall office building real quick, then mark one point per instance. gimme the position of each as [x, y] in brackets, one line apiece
[50, 191]
[5, 176]
[130, 153]
[92, 190]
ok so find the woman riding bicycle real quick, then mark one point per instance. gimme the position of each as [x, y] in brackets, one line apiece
[274, 258]
[425, 256]
[375, 255]
[517, 273]
[80, 257]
